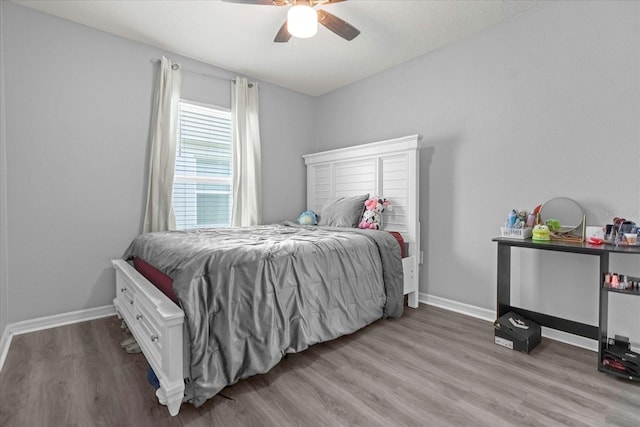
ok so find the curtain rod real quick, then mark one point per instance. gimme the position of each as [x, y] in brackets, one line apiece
[157, 61]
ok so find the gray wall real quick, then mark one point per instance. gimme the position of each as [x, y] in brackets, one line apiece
[77, 118]
[546, 105]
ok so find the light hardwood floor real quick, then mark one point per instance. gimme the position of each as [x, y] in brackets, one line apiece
[431, 367]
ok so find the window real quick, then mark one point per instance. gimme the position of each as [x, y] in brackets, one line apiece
[202, 182]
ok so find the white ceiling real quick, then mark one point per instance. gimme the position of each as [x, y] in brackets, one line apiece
[239, 37]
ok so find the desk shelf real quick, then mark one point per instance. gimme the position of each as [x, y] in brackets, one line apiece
[635, 291]
[598, 332]
[632, 291]
[615, 373]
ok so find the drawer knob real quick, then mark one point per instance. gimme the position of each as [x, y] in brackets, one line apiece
[138, 316]
[154, 338]
[123, 289]
[131, 301]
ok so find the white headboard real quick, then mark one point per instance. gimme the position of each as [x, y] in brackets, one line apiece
[388, 169]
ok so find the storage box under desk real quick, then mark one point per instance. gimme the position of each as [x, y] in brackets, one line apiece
[515, 332]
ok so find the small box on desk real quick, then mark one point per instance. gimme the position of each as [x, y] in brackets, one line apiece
[515, 332]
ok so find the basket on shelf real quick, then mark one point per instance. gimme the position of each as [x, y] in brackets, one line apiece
[516, 233]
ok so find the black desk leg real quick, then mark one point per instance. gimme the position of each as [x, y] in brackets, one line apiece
[603, 316]
[504, 279]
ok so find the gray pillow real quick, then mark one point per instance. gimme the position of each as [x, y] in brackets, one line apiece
[343, 212]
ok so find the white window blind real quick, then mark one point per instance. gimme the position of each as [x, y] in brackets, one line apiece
[202, 182]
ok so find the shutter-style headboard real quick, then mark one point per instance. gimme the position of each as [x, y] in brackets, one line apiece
[387, 168]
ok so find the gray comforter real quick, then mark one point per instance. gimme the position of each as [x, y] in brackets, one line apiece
[251, 295]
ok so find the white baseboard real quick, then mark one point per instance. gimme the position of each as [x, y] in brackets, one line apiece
[490, 316]
[47, 322]
[458, 307]
[567, 338]
[5, 342]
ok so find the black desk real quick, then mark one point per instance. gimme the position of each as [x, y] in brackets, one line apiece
[598, 332]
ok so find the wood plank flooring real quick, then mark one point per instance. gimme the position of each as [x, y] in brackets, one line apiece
[431, 367]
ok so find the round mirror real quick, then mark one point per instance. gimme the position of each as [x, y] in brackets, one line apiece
[565, 210]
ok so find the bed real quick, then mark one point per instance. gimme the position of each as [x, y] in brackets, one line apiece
[268, 288]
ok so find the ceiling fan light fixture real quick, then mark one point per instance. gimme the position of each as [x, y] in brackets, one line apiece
[302, 21]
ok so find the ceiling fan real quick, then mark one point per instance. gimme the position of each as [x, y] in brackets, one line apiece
[302, 19]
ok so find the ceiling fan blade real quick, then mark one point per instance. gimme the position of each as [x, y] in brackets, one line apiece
[337, 25]
[283, 35]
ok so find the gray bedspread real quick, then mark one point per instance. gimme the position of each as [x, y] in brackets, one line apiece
[251, 295]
